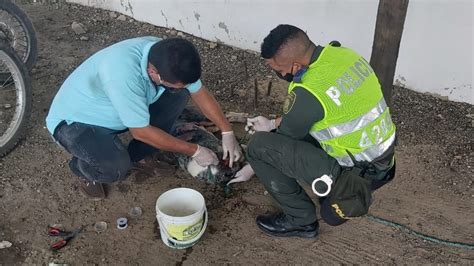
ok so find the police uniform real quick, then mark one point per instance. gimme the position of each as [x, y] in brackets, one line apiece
[335, 112]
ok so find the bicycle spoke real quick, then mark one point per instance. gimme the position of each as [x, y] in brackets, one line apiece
[6, 81]
[7, 91]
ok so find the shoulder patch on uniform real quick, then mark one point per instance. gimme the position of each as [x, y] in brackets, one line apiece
[289, 102]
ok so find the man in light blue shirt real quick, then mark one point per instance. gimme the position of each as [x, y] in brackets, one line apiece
[141, 85]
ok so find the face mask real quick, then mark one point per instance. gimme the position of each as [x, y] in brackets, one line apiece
[168, 88]
[171, 90]
[288, 77]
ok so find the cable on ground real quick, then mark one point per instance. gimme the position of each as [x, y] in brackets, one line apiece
[420, 235]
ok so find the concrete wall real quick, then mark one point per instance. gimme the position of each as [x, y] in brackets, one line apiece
[435, 52]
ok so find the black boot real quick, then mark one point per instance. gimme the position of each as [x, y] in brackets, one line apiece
[278, 225]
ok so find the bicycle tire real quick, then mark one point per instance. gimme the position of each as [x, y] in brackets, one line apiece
[19, 132]
[27, 26]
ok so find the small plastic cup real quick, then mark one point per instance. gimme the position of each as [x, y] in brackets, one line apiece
[100, 227]
[122, 223]
[135, 212]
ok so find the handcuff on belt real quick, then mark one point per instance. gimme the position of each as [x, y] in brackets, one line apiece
[322, 186]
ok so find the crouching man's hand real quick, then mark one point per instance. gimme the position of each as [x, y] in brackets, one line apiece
[231, 147]
[243, 175]
[205, 157]
[260, 123]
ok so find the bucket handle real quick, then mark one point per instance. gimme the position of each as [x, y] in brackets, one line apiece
[178, 243]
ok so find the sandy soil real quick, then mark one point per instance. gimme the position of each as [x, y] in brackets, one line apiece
[432, 191]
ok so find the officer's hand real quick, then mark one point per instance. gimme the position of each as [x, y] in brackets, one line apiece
[205, 157]
[243, 175]
[231, 147]
[259, 123]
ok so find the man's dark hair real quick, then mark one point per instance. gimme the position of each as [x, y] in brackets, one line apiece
[177, 60]
[277, 38]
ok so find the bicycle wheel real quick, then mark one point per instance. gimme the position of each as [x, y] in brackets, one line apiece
[15, 99]
[17, 29]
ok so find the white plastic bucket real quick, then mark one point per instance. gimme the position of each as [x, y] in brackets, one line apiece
[182, 216]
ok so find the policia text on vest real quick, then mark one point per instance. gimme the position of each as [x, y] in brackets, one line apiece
[347, 83]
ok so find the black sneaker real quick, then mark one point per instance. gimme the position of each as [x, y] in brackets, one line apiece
[94, 190]
[278, 225]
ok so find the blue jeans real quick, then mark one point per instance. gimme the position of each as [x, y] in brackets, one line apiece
[99, 155]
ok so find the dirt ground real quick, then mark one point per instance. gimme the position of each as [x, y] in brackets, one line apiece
[432, 192]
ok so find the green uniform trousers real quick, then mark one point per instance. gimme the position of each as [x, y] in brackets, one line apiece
[279, 161]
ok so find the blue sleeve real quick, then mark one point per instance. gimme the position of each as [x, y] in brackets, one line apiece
[194, 87]
[130, 102]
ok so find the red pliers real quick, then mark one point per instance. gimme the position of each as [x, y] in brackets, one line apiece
[67, 236]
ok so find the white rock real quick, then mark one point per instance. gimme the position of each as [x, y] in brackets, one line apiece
[113, 14]
[212, 45]
[122, 18]
[5, 244]
[84, 38]
[78, 28]
[180, 34]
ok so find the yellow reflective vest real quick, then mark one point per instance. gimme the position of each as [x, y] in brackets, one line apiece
[356, 119]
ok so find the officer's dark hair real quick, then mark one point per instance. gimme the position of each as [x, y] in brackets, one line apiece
[176, 59]
[278, 37]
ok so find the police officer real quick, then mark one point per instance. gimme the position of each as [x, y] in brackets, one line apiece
[141, 85]
[334, 117]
